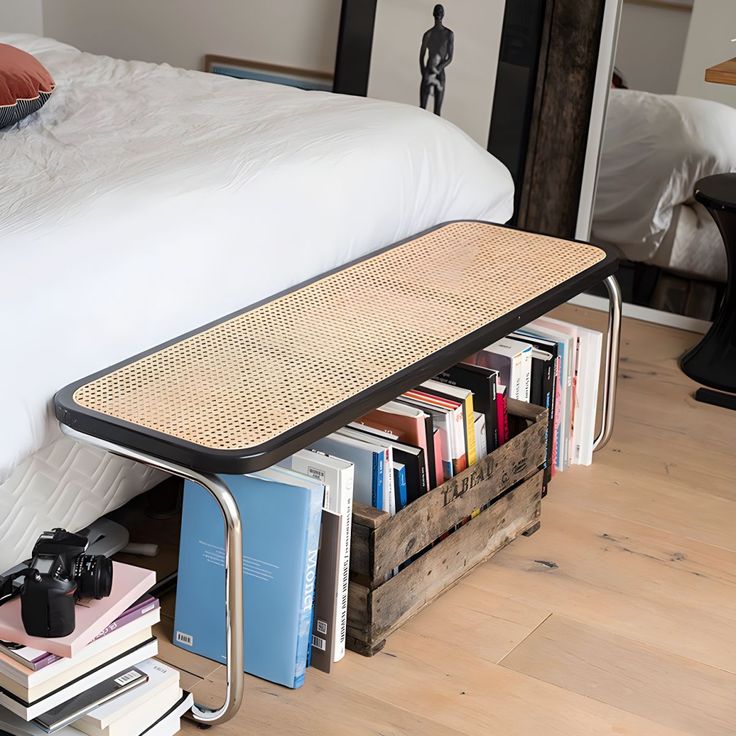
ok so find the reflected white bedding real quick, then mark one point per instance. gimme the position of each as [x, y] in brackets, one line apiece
[655, 148]
[144, 200]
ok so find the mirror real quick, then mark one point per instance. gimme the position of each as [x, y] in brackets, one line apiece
[665, 129]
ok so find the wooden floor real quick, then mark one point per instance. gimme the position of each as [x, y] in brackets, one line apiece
[618, 617]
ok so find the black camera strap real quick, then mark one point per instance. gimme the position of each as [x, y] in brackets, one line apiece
[8, 591]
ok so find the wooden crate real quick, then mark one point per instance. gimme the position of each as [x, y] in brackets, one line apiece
[510, 478]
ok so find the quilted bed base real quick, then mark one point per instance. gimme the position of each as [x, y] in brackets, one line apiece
[66, 484]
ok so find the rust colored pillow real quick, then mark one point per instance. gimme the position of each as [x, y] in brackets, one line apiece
[25, 85]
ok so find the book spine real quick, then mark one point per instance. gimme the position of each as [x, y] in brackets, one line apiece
[389, 491]
[469, 415]
[400, 486]
[492, 416]
[377, 490]
[308, 587]
[346, 526]
[460, 459]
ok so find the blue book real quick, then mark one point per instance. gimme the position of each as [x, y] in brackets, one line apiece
[400, 485]
[368, 461]
[281, 512]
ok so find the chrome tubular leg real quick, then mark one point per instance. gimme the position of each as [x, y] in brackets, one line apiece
[233, 571]
[610, 376]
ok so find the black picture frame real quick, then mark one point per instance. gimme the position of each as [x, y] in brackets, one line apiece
[521, 48]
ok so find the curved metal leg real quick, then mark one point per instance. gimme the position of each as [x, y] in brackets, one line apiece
[610, 377]
[233, 571]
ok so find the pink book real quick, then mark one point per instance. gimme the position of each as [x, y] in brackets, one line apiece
[92, 616]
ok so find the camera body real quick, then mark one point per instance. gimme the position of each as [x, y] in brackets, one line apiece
[58, 575]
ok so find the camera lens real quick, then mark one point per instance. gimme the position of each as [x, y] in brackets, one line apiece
[93, 574]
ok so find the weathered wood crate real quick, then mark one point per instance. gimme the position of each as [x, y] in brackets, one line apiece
[509, 479]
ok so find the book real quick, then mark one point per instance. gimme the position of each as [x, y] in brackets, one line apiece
[465, 397]
[400, 485]
[281, 512]
[410, 456]
[590, 348]
[66, 670]
[481, 380]
[129, 583]
[544, 328]
[413, 427]
[456, 427]
[28, 710]
[325, 629]
[503, 414]
[388, 497]
[135, 711]
[479, 427]
[36, 659]
[567, 345]
[545, 365]
[94, 696]
[367, 460]
[170, 723]
[167, 723]
[512, 359]
[338, 477]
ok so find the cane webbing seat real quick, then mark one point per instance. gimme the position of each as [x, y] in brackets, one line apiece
[245, 391]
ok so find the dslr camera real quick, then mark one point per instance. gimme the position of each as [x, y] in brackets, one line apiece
[58, 575]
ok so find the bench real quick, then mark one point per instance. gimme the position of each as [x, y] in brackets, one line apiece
[245, 391]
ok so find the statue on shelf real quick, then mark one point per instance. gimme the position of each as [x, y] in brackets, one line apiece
[434, 56]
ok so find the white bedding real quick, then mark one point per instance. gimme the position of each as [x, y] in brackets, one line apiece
[144, 200]
[654, 149]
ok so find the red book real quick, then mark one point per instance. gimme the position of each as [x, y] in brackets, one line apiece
[502, 408]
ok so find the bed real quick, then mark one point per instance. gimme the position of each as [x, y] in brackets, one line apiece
[176, 197]
[655, 148]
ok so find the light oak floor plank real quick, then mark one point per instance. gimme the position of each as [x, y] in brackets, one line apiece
[628, 578]
[426, 675]
[637, 678]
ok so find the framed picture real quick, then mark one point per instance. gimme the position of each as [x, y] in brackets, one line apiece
[292, 77]
[473, 62]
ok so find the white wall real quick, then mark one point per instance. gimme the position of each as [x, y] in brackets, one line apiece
[299, 33]
[21, 16]
[709, 42]
[651, 44]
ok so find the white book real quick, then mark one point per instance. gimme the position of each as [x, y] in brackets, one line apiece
[389, 494]
[591, 347]
[338, 476]
[135, 711]
[32, 694]
[29, 711]
[170, 724]
[361, 454]
[68, 668]
[481, 440]
[513, 361]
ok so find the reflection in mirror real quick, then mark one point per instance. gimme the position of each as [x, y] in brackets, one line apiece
[666, 128]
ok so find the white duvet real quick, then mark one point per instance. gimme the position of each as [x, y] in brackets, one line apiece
[655, 148]
[144, 200]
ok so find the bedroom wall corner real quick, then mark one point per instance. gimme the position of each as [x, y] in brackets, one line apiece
[21, 16]
[712, 27]
[180, 32]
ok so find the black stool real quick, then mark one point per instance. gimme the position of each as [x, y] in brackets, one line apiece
[712, 361]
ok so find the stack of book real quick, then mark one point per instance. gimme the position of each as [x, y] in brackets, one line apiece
[101, 680]
[297, 515]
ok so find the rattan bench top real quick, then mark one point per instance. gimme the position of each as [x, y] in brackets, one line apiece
[245, 391]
